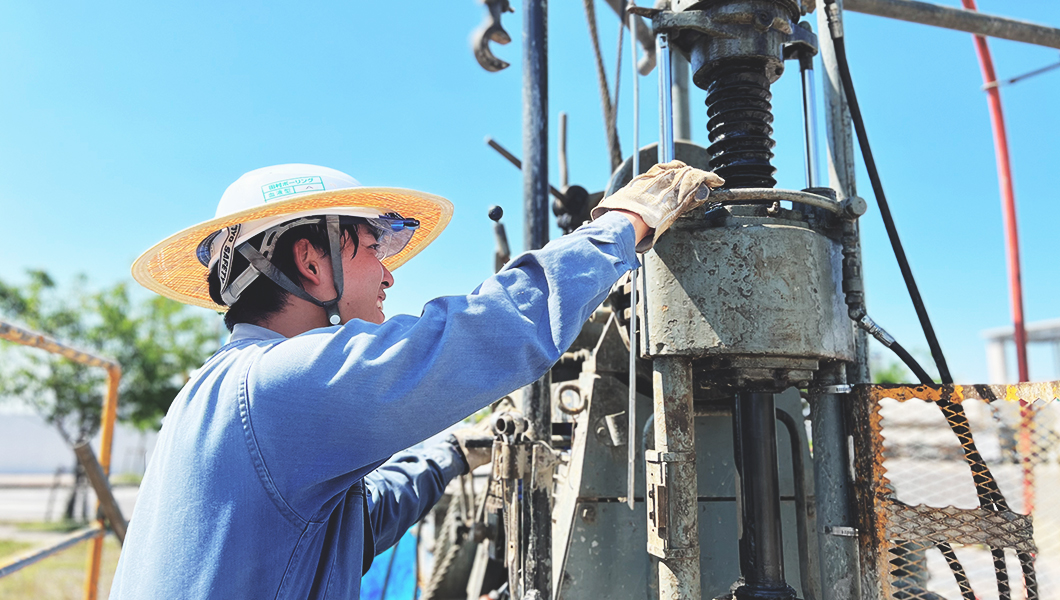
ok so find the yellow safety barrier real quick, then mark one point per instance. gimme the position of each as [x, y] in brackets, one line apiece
[95, 533]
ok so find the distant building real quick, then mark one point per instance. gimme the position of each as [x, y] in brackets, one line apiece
[29, 445]
[999, 344]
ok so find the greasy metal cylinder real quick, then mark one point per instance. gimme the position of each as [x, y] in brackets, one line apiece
[753, 287]
[675, 437]
[834, 493]
[761, 538]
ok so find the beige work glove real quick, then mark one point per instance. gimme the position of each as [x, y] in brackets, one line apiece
[660, 196]
[475, 444]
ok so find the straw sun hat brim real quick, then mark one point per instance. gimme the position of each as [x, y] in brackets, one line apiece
[170, 268]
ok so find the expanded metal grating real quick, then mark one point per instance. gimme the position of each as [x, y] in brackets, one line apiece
[957, 489]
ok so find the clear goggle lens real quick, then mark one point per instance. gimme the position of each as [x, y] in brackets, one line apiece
[392, 232]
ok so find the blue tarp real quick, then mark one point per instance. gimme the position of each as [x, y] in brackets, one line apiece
[402, 574]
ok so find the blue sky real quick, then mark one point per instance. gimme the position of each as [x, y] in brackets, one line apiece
[123, 122]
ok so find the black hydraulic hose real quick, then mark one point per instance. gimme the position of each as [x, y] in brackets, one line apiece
[990, 496]
[959, 420]
[881, 200]
[958, 571]
[989, 492]
[1029, 576]
[910, 362]
[1004, 590]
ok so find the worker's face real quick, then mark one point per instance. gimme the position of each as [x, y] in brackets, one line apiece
[365, 280]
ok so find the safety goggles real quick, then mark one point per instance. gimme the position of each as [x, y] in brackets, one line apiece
[392, 232]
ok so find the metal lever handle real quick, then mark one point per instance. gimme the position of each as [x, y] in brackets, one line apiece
[631, 411]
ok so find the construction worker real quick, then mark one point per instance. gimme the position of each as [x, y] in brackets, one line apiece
[280, 469]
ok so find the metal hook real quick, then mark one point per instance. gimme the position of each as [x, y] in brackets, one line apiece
[491, 30]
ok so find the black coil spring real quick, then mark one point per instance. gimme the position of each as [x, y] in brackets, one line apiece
[739, 125]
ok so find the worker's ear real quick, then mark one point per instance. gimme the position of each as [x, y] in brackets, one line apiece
[309, 262]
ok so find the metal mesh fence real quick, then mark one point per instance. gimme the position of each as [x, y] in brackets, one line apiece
[958, 488]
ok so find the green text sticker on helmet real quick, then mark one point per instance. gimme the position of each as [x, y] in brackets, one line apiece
[286, 187]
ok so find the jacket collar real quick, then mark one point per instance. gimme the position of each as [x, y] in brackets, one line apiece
[246, 331]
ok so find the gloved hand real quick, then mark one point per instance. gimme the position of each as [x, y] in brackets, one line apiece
[475, 443]
[660, 196]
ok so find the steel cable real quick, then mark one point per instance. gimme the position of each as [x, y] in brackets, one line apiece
[613, 148]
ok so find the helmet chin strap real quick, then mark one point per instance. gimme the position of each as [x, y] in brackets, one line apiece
[260, 264]
[335, 238]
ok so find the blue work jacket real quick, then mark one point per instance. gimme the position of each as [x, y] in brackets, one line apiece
[271, 478]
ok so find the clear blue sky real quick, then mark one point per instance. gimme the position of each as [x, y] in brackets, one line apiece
[122, 122]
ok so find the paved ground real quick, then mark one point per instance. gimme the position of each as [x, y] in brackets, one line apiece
[26, 498]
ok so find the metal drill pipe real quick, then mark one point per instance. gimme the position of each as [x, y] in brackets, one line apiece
[635, 84]
[675, 433]
[809, 116]
[679, 92]
[958, 19]
[761, 539]
[666, 104]
[631, 409]
[537, 569]
[833, 490]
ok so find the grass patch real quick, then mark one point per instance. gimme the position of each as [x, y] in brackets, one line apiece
[61, 576]
[126, 479]
[51, 526]
[9, 547]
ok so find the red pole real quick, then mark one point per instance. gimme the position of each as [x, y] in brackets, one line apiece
[1008, 197]
[1012, 253]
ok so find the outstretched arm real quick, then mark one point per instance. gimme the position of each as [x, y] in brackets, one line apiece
[403, 489]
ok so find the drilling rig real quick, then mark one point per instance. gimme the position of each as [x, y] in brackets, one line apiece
[667, 454]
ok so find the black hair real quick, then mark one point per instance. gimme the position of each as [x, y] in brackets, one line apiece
[264, 297]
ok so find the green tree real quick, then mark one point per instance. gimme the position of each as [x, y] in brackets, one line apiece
[887, 368]
[157, 342]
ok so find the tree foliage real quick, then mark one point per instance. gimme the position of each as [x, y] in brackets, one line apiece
[157, 342]
[886, 368]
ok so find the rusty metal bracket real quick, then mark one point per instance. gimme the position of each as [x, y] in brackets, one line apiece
[510, 460]
[841, 531]
[660, 543]
[693, 20]
[730, 26]
[491, 30]
[843, 388]
[544, 461]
